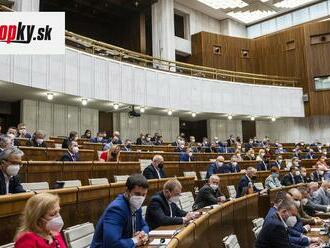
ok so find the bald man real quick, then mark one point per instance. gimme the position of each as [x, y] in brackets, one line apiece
[218, 167]
[309, 206]
[155, 170]
[248, 181]
[209, 194]
[322, 195]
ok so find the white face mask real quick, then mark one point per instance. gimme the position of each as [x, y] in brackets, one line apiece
[214, 186]
[321, 173]
[297, 203]
[136, 202]
[234, 163]
[12, 170]
[297, 173]
[291, 221]
[280, 161]
[55, 224]
[10, 135]
[304, 201]
[174, 199]
[303, 174]
[296, 163]
[75, 150]
[220, 164]
[190, 154]
[39, 141]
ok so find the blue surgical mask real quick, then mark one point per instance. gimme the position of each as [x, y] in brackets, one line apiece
[275, 175]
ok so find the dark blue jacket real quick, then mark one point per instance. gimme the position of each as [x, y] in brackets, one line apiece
[234, 169]
[214, 169]
[151, 173]
[243, 184]
[262, 166]
[183, 156]
[114, 228]
[94, 140]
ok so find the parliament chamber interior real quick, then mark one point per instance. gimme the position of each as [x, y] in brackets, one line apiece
[168, 123]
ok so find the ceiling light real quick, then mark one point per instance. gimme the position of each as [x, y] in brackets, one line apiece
[170, 112]
[84, 101]
[50, 96]
[273, 118]
[193, 114]
[115, 106]
[224, 4]
[251, 16]
[142, 109]
[230, 117]
[252, 118]
[287, 4]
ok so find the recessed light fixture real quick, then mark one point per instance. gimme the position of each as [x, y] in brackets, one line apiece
[287, 4]
[170, 112]
[251, 16]
[84, 101]
[193, 114]
[115, 106]
[252, 118]
[142, 109]
[273, 118]
[50, 96]
[230, 117]
[224, 4]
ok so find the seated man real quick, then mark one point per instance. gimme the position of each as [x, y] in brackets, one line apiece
[250, 155]
[209, 194]
[311, 207]
[272, 180]
[73, 136]
[10, 164]
[100, 138]
[280, 149]
[318, 174]
[274, 232]
[279, 163]
[73, 152]
[22, 133]
[186, 156]
[234, 166]
[38, 139]
[310, 154]
[322, 195]
[116, 140]
[12, 133]
[162, 209]
[155, 170]
[5, 142]
[263, 165]
[246, 183]
[218, 167]
[290, 178]
[127, 147]
[121, 224]
[302, 177]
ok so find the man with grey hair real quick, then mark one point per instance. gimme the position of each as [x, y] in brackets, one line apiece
[10, 164]
[247, 181]
[155, 170]
[209, 194]
[5, 142]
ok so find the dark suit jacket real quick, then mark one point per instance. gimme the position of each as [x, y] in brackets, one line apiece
[317, 177]
[301, 179]
[14, 185]
[288, 180]
[214, 169]
[183, 156]
[114, 228]
[151, 173]
[273, 234]
[278, 165]
[33, 143]
[68, 157]
[262, 166]
[243, 184]
[158, 212]
[206, 197]
[234, 169]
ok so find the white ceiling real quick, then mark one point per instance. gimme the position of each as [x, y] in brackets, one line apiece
[14, 92]
[261, 6]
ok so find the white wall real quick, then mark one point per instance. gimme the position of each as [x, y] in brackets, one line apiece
[308, 129]
[290, 19]
[233, 28]
[57, 119]
[26, 5]
[84, 75]
[167, 126]
[222, 128]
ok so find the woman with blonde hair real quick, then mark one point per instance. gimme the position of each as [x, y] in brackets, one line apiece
[41, 223]
[112, 155]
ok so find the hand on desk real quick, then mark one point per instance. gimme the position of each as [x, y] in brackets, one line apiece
[307, 228]
[221, 199]
[317, 220]
[263, 192]
[141, 238]
[191, 216]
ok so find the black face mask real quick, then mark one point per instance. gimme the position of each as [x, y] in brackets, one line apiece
[160, 166]
[129, 146]
[254, 178]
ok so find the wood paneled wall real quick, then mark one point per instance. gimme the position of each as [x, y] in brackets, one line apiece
[285, 53]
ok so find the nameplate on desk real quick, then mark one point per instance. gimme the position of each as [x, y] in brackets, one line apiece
[158, 242]
[315, 229]
[162, 232]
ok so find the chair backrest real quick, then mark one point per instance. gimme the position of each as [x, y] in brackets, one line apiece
[35, 186]
[231, 241]
[190, 174]
[144, 163]
[186, 201]
[144, 211]
[259, 186]
[256, 231]
[70, 183]
[79, 236]
[98, 181]
[232, 191]
[122, 178]
[11, 245]
[212, 160]
[203, 174]
[258, 222]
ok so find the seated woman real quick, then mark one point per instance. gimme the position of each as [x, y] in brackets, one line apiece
[112, 155]
[38, 139]
[41, 223]
[272, 180]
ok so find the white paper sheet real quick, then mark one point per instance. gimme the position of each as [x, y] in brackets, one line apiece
[162, 233]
